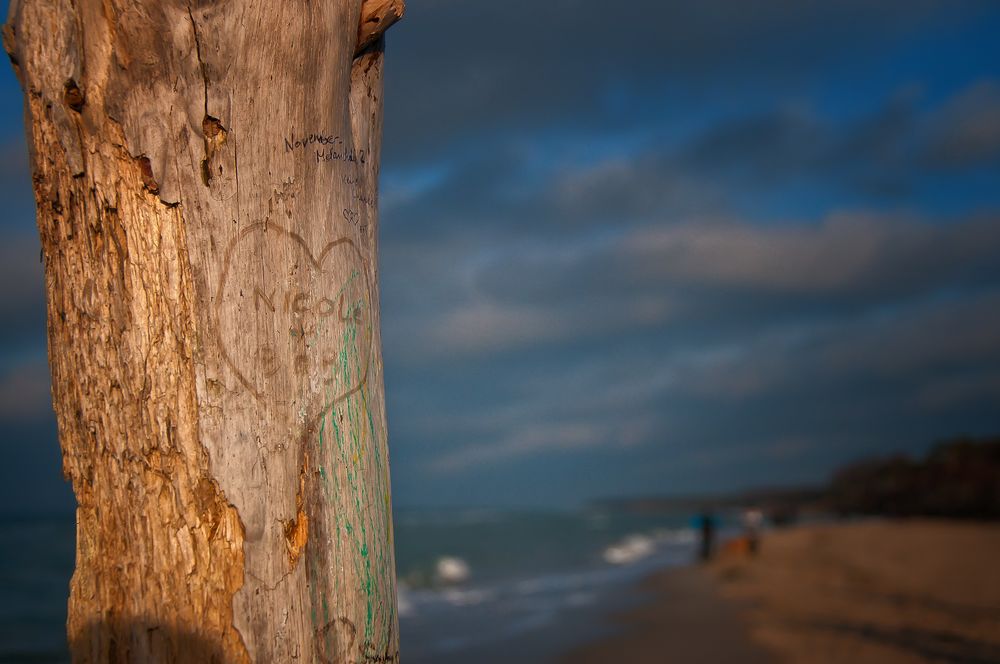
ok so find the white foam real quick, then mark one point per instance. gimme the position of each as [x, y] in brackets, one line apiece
[469, 597]
[629, 550]
[451, 570]
[403, 602]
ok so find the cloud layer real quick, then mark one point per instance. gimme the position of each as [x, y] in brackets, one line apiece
[693, 247]
[709, 247]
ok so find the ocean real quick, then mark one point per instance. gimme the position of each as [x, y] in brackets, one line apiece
[474, 585]
[36, 562]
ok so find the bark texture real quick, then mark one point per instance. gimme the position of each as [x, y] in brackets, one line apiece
[376, 17]
[205, 176]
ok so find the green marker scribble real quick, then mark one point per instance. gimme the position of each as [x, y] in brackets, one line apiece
[360, 454]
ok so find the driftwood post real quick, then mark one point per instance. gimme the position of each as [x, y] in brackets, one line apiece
[205, 175]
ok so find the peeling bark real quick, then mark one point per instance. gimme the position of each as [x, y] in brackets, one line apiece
[205, 176]
[376, 17]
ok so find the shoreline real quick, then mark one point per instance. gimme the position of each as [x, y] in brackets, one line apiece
[892, 592]
[680, 617]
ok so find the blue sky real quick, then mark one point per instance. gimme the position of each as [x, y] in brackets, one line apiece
[697, 247]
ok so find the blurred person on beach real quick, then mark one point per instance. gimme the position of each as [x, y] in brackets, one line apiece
[753, 519]
[707, 547]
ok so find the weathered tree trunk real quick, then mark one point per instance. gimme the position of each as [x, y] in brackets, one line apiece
[205, 175]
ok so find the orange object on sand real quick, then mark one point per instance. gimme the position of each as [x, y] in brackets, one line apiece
[738, 546]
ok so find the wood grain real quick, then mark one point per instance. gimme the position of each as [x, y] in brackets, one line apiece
[206, 182]
[377, 16]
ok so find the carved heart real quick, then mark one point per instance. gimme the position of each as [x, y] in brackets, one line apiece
[294, 326]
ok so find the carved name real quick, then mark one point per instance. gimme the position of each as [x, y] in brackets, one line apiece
[299, 302]
[296, 330]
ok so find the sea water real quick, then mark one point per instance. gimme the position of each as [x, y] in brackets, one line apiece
[474, 585]
[538, 583]
[36, 563]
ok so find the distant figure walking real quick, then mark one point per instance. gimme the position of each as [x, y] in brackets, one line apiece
[707, 537]
[753, 519]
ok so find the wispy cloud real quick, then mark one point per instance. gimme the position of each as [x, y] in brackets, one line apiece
[966, 131]
[24, 392]
[22, 293]
[528, 441]
[691, 275]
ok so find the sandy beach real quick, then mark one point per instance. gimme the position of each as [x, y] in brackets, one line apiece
[873, 592]
[686, 621]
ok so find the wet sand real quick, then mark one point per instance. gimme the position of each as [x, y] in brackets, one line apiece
[686, 621]
[873, 592]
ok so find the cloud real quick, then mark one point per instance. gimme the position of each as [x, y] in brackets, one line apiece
[578, 65]
[707, 236]
[966, 131]
[774, 144]
[22, 293]
[776, 156]
[14, 169]
[931, 336]
[848, 253]
[777, 382]
[18, 214]
[527, 441]
[20, 269]
[795, 147]
[488, 327]
[770, 275]
[979, 385]
[480, 327]
[25, 393]
[685, 274]
[786, 160]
